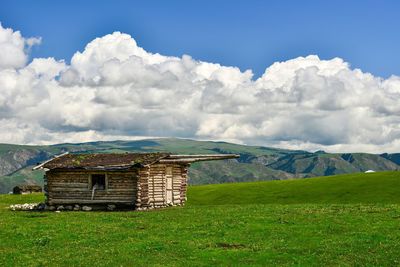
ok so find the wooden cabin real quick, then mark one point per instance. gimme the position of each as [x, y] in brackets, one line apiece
[133, 180]
[27, 189]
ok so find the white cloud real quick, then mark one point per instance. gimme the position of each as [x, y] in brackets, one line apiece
[114, 89]
[13, 47]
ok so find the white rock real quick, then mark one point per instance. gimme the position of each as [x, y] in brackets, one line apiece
[86, 208]
[26, 206]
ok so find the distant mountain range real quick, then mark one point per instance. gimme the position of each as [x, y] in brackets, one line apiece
[256, 163]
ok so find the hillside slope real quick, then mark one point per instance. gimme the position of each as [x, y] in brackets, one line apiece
[379, 187]
[256, 163]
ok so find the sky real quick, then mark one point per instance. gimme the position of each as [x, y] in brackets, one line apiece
[294, 74]
[246, 34]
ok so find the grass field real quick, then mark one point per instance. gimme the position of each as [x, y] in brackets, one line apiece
[373, 188]
[340, 220]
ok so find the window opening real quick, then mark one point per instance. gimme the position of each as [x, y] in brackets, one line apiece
[98, 181]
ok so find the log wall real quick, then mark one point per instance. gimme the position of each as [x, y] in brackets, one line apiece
[144, 187]
[74, 187]
[153, 185]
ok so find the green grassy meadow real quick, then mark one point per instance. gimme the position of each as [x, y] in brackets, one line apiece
[347, 220]
[371, 188]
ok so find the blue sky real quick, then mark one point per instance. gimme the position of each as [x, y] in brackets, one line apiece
[247, 34]
[311, 75]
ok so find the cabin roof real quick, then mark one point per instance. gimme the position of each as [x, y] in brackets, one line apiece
[102, 161]
[109, 161]
[26, 187]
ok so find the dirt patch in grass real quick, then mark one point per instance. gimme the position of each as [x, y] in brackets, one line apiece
[230, 245]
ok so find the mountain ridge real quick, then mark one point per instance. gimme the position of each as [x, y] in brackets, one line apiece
[256, 163]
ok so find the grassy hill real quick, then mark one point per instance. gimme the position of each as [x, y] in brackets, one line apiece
[346, 220]
[256, 163]
[380, 187]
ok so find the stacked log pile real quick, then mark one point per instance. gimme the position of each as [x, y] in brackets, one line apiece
[157, 185]
[184, 183]
[142, 199]
[152, 182]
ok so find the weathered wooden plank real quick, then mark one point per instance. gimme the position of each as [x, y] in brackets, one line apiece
[158, 190]
[87, 201]
[75, 185]
[86, 190]
[96, 199]
[89, 194]
[158, 199]
[67, 189]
